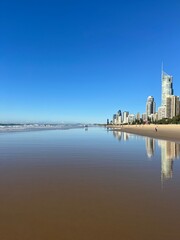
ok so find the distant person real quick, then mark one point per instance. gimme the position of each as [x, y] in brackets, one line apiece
[156, 129]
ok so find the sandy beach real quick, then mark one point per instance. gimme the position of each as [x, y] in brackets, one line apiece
[166, 132]
[87, 185]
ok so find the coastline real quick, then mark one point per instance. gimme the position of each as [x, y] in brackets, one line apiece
[170, 132]
[30, 128]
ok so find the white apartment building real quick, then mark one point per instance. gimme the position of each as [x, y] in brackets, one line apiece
[125, 117]
[131, 118]
[172, 106]
[161, 112]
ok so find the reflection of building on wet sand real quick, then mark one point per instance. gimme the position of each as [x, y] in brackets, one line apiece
[169, 152]
[121, 135]
[125, 136]
[117, 134]
[150, 146]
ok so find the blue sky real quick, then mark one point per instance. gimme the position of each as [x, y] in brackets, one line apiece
[81, 61]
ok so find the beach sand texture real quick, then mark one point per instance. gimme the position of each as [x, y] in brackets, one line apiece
[169, 132]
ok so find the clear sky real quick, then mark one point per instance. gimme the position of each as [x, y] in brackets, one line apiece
[81, 61]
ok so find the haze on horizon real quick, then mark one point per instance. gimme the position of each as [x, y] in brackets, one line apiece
[81, 61]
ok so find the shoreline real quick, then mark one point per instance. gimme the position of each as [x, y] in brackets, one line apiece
[36, 129]
[170, 132]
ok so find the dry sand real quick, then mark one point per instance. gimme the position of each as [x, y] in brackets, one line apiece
[166, 132]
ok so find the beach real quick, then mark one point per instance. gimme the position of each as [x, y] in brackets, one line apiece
[169, 132]
[88, 184]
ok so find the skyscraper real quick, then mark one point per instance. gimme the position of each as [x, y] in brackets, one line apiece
[119, 113]
[138, 117]
[167, 87]
[114, 119]
[131, 118]
[125, 117]
[150, 106]
[172, 106]
[161, 112]
[117, 118]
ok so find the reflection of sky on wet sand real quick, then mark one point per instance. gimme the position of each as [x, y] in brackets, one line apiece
[169, 151]
[93, 184]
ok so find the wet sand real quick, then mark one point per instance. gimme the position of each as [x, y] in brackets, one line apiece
[84, 185]
[165, 132]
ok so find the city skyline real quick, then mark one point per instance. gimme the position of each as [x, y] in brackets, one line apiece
[169, 108]
[79, 62]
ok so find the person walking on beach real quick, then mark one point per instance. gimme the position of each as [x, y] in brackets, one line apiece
[156, 129]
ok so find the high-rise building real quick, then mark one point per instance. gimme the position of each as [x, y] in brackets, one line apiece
[131, 118]
[161, 112]
[119, 113]
[125, 117]
[114, 118]
[178, 107]
[144, 117]
[117, 118]
[167, 87]
[138, 117]
[172, 106]
[150, 106]
[154, 116]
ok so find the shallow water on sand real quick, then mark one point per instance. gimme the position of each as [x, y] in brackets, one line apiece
[76, 184]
